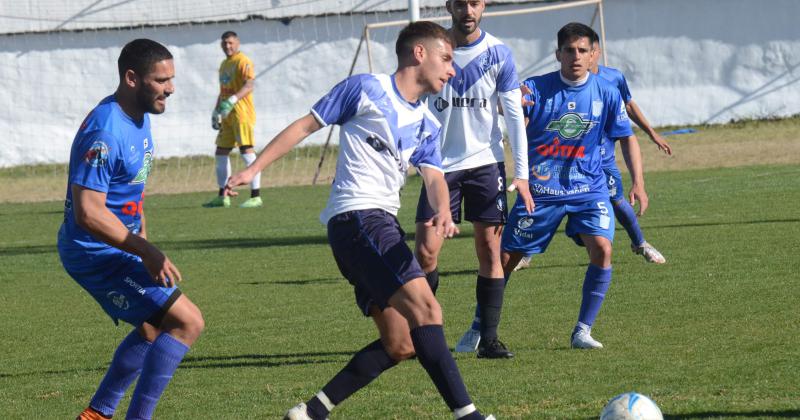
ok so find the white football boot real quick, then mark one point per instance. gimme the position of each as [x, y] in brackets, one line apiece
[582, 339]
[297, 412]
[649, 253]
[469, 341]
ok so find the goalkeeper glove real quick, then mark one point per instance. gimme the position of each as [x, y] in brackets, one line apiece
[225, 107]
[216, 120]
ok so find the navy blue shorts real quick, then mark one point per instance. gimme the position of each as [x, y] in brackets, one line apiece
[370, 249]
[483, 191]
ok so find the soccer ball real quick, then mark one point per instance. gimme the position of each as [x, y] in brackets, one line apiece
[631, 406]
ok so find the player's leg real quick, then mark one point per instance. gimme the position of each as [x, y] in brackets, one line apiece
[427, 244]
[177, 329]
[245, 139]
[222, 164]
[626, 215]
[591, 224]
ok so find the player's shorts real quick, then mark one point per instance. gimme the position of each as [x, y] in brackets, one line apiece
[120, 283]
[531, 234]
[616, 191]
[370, 249]
[233, 133]
[483, 191]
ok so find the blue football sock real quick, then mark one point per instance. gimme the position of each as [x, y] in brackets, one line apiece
[595, 285]
[489, 294]
[627, 218]
[365, 366]
[160, 363]
[435, 357]
[125, 367]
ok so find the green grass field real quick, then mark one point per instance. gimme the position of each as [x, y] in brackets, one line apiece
[711, 334]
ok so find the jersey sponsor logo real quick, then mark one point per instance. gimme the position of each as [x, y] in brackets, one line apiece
[571, 106]
[570, 125]
[525, 222]
[470, 102]
[139, 289]
[376, 143]
[541, 171]
[556, 149]
[119, 300]
[441, 104]
[97, 155]
[144, 171]
[225, 77]
[597, 108]
[623, 114]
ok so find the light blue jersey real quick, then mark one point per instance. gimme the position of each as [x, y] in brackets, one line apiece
[381, 133]
[565, 130]
[616, 78]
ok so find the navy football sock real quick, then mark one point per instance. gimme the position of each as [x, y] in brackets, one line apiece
[627, 218]
[595, 285]
[489, 294]
[365, 366]
[435, 357]
[433, 279]
[160, 363]
[125, 367]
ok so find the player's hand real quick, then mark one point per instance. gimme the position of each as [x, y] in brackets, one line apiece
[216, 120]
[523, 189]
[525, 90]
[161, 268]
[226, 106]
[443, 225]
[661, 143]
[241, 178]
[638, 193]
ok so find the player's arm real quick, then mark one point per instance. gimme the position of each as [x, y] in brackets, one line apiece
[143, 225]
[515, 123]
[633, 160]
[637, 116]
[439, 199]
[279, 146]
[92, 215]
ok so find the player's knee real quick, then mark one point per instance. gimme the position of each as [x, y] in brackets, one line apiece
[427, 257]
[400, 350]
[427, 312]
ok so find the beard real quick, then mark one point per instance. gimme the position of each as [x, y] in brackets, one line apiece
[147, 102]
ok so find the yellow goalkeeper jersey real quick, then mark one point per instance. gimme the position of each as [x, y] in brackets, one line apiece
[233, 73]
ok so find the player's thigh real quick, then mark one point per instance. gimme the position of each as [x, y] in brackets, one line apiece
[591, 217]
[416, 302]
[370, 249]
[183, 320]
[528, 234]
[126, 291]
[394, 331]
[484, 191]
[427, 243]
[424, 210]
[616, 191]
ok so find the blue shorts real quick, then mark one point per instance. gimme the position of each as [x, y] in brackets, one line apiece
[483, 191]
[616, 191]
[530, 234]
[370, 249]
[120, 283]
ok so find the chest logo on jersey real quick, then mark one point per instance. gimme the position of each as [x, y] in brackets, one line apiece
[485, 60]
[144, 171]
[570, 125]
[225, 77]
[597, 108]
[376, 143]
[441, 104]
[469, 102]
[97, 155]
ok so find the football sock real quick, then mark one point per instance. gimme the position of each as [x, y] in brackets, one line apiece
[125, 367]
[489, 294]
[160, 363]
[223, 170]
[627, 218]
[435, 357]
[595, 285]
[255, 184]
[433, 279]
[365, 366]
[476, 322]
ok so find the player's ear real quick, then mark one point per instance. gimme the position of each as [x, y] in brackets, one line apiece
[448, 6]
[131, 78]
[558, 55]
[419, 52]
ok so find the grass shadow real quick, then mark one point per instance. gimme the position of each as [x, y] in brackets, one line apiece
[265, 360]
[761, 414]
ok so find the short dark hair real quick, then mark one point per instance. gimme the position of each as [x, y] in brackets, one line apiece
[228, 34]
[139, 55]
[417, 31]
[576, 29]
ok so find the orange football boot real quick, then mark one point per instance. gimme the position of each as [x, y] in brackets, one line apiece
[91, 414]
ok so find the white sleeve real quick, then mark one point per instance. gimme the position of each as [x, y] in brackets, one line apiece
[515, 123]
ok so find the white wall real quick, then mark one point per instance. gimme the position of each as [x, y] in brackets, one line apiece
[687, 62]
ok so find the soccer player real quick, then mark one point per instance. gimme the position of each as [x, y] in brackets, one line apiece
[103, 241]
[623, 210]
[571, 113]
[384, 127]
[473, 162]
[235, 117]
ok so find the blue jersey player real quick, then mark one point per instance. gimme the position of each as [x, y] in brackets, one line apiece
[103, 242]
[623, 210]
[384, 127]
[572, 110]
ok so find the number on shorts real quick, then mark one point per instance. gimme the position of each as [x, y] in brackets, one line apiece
[602, 206]
[499, 183]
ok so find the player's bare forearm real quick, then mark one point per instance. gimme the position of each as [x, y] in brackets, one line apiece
[248, 87]
[439, 199]
[637, 116]
[633, 160]
[143, 228]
